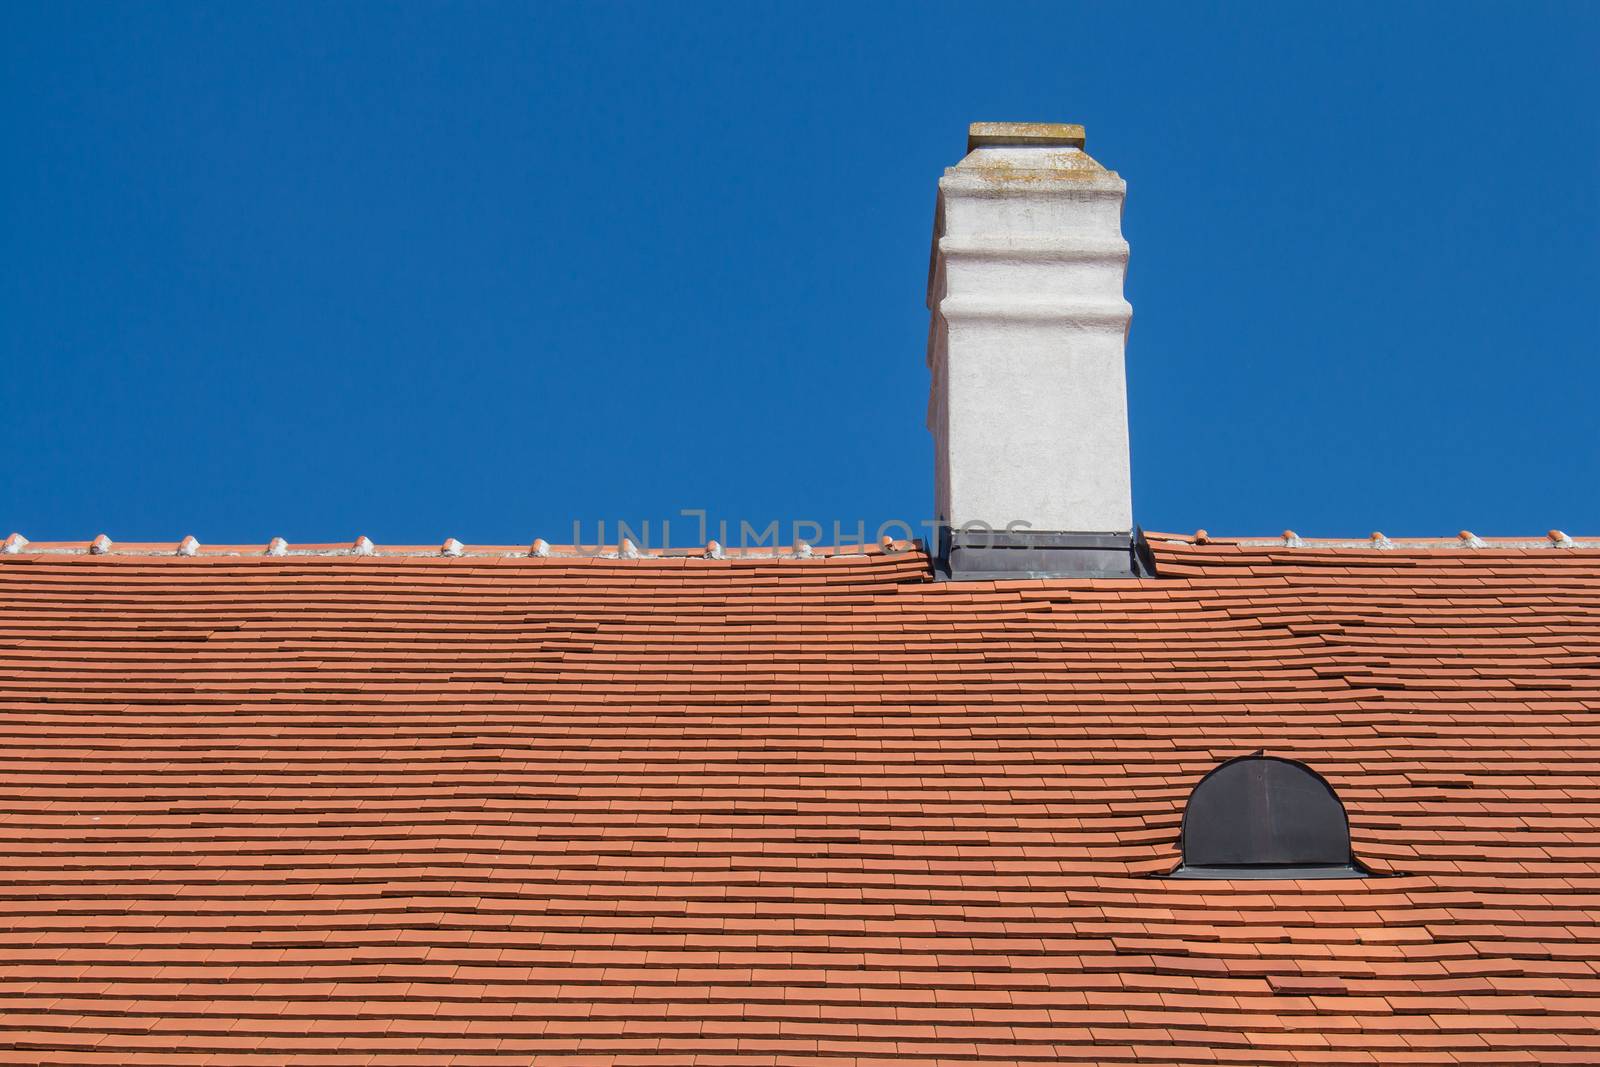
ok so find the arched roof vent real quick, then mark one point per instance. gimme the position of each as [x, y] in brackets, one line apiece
[1263, 817]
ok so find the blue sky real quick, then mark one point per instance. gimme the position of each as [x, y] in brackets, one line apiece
[480, 270]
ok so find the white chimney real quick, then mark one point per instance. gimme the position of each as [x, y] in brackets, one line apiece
[1028, 405]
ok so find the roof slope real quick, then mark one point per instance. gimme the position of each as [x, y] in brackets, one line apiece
[585, 811]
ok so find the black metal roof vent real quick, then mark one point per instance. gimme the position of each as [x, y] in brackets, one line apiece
[1263, 817]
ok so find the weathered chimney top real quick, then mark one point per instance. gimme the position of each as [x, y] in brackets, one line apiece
[992, 134]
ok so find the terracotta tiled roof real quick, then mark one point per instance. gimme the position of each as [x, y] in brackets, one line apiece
[489, 810]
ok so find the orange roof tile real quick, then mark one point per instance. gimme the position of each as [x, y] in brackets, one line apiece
[424, 809]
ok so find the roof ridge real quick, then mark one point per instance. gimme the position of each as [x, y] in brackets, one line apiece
[1466, 539]
[451, 548]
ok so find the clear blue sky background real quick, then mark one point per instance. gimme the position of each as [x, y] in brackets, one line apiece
[480, 270]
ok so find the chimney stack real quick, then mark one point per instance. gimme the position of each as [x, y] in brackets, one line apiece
[1028, 405]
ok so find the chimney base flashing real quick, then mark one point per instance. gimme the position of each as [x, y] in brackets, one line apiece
[977, 555]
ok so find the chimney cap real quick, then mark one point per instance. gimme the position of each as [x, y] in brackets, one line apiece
[986, 134]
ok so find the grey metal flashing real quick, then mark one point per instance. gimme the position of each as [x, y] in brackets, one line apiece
[974, 554]
[1287, 873]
